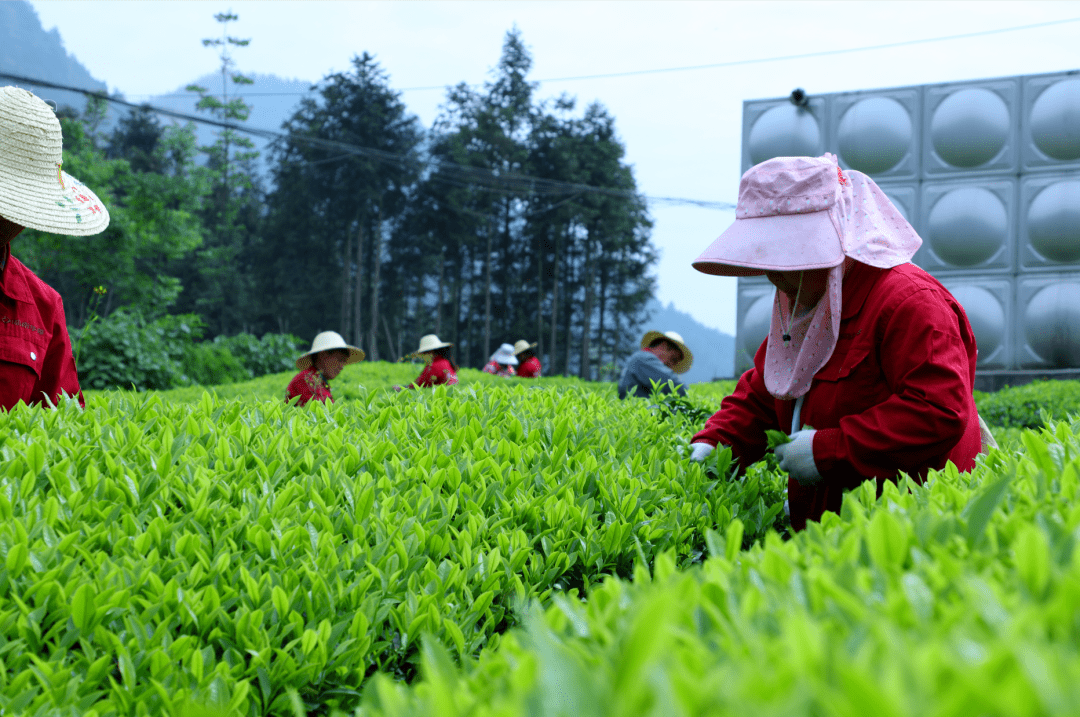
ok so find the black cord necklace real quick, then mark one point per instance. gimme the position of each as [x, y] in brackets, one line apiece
[791, 315]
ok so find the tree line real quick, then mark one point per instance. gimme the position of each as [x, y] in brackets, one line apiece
[509, 218]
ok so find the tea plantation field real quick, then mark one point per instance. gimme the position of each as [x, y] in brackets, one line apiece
[513, 547]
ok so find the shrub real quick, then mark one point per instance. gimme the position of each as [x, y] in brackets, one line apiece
[212, 364]
[126, 350]
[273, 353]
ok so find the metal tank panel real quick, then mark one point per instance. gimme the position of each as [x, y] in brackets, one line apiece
[988, 305]
[966, 226]
[755, 314]
[777, 128]
[878, 134]
[1051, 126]
[971, 127]
[1049, 321]
[986, 171]
[1050, 227]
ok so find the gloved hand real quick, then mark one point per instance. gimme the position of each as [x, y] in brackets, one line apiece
[700, 452]
[797, 458]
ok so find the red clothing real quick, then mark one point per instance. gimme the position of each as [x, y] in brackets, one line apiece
[35, 349]
[529, 368]
[895, 396]
[308, 384]
[499, 370]
[439, 371]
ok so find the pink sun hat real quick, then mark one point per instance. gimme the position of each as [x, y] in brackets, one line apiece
[801, 213]
[782, 220]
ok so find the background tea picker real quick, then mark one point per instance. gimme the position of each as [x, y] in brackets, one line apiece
[329, 354]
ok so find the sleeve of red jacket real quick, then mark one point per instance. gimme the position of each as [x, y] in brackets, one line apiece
[927, 364]
[426, 377]
[58, 373]
[743, 418]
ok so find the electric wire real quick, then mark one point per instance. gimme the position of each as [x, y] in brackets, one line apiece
[714, 65]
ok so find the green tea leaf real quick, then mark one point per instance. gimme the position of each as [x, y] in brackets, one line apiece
[776, 438]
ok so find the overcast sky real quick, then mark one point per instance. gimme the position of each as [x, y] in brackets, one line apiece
[682, 129]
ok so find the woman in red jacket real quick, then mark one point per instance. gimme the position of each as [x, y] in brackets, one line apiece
[530, 364]
[329, 354]
[36, 364]
[864, 346]
[440, 368]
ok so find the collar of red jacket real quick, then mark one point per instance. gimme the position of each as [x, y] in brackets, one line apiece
[858, 282]
[12, 281]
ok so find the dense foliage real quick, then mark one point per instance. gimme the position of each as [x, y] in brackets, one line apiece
[127, 350]
[508, 547]
[1031, 405]
[956, 598]
[224, 550]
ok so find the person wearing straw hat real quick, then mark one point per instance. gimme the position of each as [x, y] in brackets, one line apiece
[662, 355]
[440, 368]
[36, 364]
[529, 364]
[865, 347]
[502, 362]
[329, 354]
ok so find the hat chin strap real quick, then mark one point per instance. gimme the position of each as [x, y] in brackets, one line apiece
[791, 314]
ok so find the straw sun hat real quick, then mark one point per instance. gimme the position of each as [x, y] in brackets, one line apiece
[430, 342]
[687, 357]
[523, 345]
[34, 191]
[328, 341]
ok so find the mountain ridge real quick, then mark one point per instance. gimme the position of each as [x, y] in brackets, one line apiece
[28, 50]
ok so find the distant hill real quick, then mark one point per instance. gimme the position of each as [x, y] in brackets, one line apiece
[714, 351]
[26, 49]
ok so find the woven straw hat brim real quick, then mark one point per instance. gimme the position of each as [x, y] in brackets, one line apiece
[688, 357]
[521, 346]
[34, 191]
[329, 341]
[430, 345]
[355, 356]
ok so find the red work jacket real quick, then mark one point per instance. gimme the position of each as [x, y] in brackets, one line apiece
[895, 396]
[529, 368]
[439, 371]
[308, 385]
[497, 369]
[35, 350]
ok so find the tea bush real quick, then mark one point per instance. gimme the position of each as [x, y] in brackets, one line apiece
[157, 553]
[1025, 406]
[954, 598]
[508, 547]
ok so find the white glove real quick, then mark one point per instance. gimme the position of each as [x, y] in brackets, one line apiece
[700, 451]
[797, 458]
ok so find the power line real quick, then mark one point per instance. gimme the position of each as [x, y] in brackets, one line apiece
[715, 65]
[443, 170]
[802, 56]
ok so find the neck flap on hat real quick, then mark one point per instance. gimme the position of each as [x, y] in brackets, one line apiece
[871, 231]
[790, 365]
